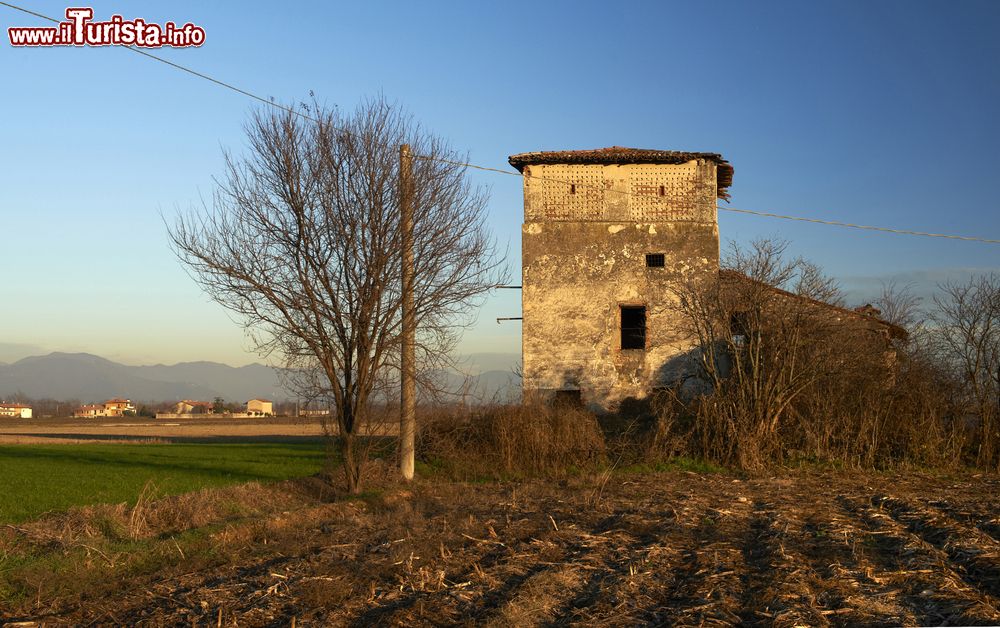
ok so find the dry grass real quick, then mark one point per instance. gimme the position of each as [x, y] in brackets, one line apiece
[666, 549]
[511, 441]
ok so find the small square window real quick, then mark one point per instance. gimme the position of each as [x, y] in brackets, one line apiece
[655, 260]
[633, 326]
[739, 328]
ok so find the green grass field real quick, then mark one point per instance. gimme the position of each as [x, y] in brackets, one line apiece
[35, 479]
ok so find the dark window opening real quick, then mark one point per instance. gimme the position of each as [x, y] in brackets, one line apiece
[568, 398]
[633, 327]
[739, 328]
[572, 188]
[655, 260]
[663, 190]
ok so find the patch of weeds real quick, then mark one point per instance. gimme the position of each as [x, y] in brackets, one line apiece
[193, 547]
[371, 497]
[28, 577]
[110, 527]
[431, 468]
[442, 469]
[13, 595]
[682, 463]
[679, 463]
[805, 462]
[233, 508]
[105, 563]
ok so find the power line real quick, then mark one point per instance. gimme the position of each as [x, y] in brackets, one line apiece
[182, 68]
[272, 103]
[837, 223]
[29, 12]
[834, 223]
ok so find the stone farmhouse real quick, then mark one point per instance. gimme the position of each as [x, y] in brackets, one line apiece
[608, 236]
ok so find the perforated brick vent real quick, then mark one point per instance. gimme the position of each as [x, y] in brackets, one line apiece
[647, 193]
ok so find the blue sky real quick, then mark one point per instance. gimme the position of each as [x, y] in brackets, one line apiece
[880, 113]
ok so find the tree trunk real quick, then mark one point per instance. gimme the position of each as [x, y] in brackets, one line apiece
[351, 464]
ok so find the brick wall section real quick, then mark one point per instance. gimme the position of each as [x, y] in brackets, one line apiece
[635, 192]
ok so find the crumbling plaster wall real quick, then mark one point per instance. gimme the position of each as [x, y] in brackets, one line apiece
[583, 257]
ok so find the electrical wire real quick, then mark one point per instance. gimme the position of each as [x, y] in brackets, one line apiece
[837, 223]
[272, 103]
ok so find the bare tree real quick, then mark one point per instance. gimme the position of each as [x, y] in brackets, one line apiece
[967, 326]
[899, 306]
[303, 244]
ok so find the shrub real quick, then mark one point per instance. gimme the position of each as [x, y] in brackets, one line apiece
[511, 440]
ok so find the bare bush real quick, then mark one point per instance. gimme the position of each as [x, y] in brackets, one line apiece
[791, 374]
[764, 335]
[967, 331]
[520, 440]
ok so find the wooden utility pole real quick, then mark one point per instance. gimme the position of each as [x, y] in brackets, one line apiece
[408, 388]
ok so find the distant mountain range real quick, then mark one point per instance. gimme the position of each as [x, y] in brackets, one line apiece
[90, 378]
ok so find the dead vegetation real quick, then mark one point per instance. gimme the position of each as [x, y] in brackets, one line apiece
[510, 440]
[781, 372]
[673, 548]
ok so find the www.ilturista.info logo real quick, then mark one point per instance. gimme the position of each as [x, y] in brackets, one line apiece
[79, 30]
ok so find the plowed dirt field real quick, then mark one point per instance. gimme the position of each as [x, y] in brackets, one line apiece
[809, 549]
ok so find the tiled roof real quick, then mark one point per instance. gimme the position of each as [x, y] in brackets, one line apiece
[625, 155]
[861, 313]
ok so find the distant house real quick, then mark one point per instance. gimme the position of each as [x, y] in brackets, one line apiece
[15, 410]
[90, 410]
[314, 413]
[260, 407]
[193, 407]
[119, 407]
[111, 407]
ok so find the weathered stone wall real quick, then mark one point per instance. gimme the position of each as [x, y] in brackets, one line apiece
[584, 256]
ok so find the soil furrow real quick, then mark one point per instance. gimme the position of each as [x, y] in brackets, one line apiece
[977, 560]
[978, 517]
[933, 591]
[848, 588]
[610, 592]
[706, 587]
